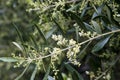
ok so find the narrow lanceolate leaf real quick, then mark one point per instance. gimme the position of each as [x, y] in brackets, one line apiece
[98, 13]
[60, 77]
[78, 20]
[18, 32]
[73, 8]
[83, 13]
[89, 27]
[97, 27]
[75, 73]
[58, 26]
[8, 59]
[83, 52]
[19, 35]
[34, 73]
[109, 13]
[22, 73]
[100, 44]
[47, 74]
[35, 43]
[50, 78]
[49, 33]
[18, 46]
[41, 33]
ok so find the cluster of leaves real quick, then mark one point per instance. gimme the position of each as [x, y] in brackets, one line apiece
[72, 39]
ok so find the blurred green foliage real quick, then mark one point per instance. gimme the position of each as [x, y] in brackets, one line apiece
[11, 11]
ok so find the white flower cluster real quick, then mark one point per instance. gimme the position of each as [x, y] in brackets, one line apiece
[60, 40]
[56, 52]
[72, 42]
[72, 54]
[87, 34]
[72, 45]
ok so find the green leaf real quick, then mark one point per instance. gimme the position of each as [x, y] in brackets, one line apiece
[89, 27]
[22, 73]
[69, 68]
[50, 78]
[83, 13]
[49, 33]
[73, 71]
[41, 33]
[64, 76]
[8, 59]
[96, 27]
[109, 13]
[47, 74]
[83, 52]
[59, 76]
[20, 36]
[18, 45]
[104, 19]
[78, 20]
[112, 27]
[18, 32]
[100, 44]
[98, 13]
[34, 73]
[35, 43]
[58, 26]
[73, 8]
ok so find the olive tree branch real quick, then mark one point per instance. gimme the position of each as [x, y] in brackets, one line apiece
[86, 41]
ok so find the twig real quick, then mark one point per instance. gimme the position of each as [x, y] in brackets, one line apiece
[99, 36]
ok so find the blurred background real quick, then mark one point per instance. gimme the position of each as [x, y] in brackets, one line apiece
[11, 11]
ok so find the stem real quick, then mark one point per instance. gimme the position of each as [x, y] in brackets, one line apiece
[99, 36]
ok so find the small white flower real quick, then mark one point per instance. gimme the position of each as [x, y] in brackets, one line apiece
[54, 37]
[76, 49]
[59, 43]
[72, 42]
[118, 15]
[75, 24]
[88, 32]
[64, 41]
[46, 48]
[60, 37]
[87, 72]
[56, 50]
[72, 53]
[94, 34]
[80, 34]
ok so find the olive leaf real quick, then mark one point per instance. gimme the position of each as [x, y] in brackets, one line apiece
[8, 59]
[100, 44]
